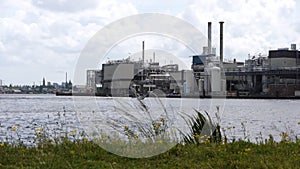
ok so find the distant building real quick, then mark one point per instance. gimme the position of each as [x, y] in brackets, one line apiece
[117, 77]
[207, 74]
[170, 68]
[283, 58]
[56, 85]
[1, 88]
[276, 75]
[94, 79]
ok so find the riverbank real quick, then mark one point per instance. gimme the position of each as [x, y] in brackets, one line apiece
[81, 154]
[188, 96]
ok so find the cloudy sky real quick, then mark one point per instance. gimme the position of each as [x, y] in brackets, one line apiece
[43, 38]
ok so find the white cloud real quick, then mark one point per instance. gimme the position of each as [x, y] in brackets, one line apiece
[65, 5]
[42, 35]
[2, 48]
[250, 26]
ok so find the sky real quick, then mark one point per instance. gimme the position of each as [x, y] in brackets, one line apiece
[40, 38]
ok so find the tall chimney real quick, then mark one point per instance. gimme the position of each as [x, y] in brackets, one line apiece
[143, 54]
[66, 79]
[221, 41]
[143, 60]
[209, 38]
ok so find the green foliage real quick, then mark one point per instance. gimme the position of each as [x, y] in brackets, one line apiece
[146, 126]
[202, 129]
[86, 154]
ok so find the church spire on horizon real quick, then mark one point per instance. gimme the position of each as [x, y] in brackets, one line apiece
[44, 82]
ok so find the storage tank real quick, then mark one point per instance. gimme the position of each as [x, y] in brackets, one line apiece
[189, 82]
[207, 80]
[215, 79]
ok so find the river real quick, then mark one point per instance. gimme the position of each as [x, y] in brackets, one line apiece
[22, 117]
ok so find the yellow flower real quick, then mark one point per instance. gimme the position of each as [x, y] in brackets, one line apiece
[73, 132]
[1, 144]
[72, 152]
[284, 136]
[39, 135]
[135, 137]
[156, 126]
[160, 141]
[38, 130]
[126, 128]
[14, 128]
[85, 139]
[206, 141]
[247, 149]
[114, 163]
[197, 135]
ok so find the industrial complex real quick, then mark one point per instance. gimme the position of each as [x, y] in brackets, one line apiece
[273, 76]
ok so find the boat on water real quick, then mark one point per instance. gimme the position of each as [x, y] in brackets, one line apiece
[64, 93]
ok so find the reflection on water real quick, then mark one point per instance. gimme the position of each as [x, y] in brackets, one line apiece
[254, 119]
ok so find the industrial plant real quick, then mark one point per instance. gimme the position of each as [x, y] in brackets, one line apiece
[272, 76]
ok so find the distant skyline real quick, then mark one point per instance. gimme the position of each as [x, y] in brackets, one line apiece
[44, 38]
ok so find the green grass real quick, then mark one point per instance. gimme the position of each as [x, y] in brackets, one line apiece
[80, 154]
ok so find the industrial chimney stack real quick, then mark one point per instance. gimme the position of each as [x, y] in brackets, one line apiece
[221, 41]
[143, 53]
[209, 38]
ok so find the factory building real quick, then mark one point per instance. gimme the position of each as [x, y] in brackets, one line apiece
[94, 79]
[128, 78]
[274, 76]
[283, 57]
[208, 68]
[117, 77]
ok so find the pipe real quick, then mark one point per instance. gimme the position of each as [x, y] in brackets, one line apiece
[221, 41]
[209, 38]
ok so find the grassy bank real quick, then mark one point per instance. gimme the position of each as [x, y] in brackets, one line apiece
[202, 147]
[84, 154]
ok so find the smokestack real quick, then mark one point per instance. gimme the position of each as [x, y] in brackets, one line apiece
[209, 38]
[143, 60]
[153, 56]
[143, 54]
[66, 79]
[221, 41]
